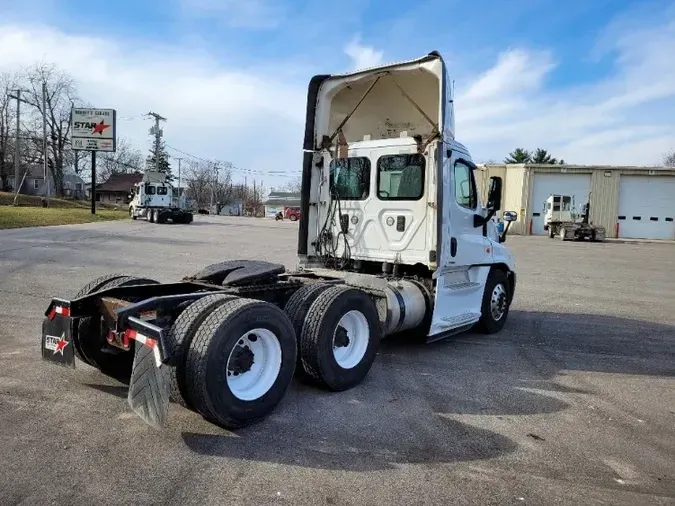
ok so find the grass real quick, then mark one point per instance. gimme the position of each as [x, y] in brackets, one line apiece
[18, 217]
[7, 199]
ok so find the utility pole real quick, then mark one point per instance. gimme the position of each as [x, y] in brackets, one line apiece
[157, 132]
[179, 195]
[44, 137]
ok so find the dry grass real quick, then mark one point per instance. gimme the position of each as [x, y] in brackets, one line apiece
[24, 216]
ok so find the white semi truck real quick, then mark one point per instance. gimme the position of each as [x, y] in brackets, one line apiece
[562, 220]
[393, 239]
[152, 199]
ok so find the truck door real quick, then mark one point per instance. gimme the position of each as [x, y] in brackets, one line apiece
[464, 244]
[465, 250]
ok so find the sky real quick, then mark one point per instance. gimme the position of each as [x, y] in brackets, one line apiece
[593, 82]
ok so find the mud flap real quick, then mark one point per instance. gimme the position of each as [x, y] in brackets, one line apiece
[57, 342]
[150, 387]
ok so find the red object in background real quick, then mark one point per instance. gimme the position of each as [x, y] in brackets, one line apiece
[292, 213]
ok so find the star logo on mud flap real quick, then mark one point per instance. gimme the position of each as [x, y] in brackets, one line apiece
[60, 344]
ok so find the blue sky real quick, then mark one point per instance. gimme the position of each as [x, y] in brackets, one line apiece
[572, 77]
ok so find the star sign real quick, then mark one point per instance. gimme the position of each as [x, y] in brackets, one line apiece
[61, 344]
[98, 129]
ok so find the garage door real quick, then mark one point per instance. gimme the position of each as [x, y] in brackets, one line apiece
[574, 185]
[647, 207]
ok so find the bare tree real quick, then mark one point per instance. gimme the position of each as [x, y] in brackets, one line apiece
[669, 159]
[199, 183]
[293, 186]
[124, 160]
[7, 117]
[60, 97]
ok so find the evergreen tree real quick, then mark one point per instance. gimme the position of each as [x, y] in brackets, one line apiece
[164, 165]
[542, 156]
[519, 155]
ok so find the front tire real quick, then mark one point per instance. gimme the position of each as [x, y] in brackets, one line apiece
[495, 306]
[340, 337]
[241, 362]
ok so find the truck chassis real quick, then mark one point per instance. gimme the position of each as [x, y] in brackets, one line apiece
[195, 340]
[161, 214]
[576, 231]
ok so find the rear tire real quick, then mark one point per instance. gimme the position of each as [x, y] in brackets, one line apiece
[151, 215]
[180, 337]
[91, 287]
[241, 362]
[496, 303]
[92, 336]
[340, 337]
[296, 308]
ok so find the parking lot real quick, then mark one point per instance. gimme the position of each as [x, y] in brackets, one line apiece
[572, 403]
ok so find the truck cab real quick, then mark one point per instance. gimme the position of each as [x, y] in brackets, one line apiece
[559, 209]
[152, 199]
[387, 190]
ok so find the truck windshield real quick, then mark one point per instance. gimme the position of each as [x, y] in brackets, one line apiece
[150, 190]
[162, 190]
[350, 178]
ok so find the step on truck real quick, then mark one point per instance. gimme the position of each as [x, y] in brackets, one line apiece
[152, 199]
[393, 240]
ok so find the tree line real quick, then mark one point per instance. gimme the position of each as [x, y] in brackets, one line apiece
[542, 156]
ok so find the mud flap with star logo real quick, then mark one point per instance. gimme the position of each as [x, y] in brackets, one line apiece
[57, 345]
[149, 388]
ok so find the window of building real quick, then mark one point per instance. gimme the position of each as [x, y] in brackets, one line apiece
[350, 178]
[400, 177]
[465, 186]
[78, 186]
[36, 184]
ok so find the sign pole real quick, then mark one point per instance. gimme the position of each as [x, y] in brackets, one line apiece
[93, 182]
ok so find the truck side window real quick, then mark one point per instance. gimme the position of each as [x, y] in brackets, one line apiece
[465, 186]
[350, 178]
[400, 177]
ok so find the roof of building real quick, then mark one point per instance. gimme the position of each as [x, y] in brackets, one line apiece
[574, 166]
[120, 182]
[289, 199]
[282, 202]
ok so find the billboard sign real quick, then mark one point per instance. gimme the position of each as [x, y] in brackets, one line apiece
[93, 129]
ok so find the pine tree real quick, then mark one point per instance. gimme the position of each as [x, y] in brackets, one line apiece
[519, 155]
[164, 165]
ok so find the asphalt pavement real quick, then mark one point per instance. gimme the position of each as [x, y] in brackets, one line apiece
[572, 403]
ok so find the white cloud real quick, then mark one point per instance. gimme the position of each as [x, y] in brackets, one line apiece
[363, 56]
[621, 119]
[255, 117]
[254, 120]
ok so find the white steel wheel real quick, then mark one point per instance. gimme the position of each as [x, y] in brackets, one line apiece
[498, 301]
[350, 339]
[254, 364]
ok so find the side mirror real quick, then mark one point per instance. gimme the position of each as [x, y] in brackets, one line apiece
[510, 216]
[494, 200]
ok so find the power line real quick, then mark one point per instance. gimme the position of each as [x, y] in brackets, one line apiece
[237, 169]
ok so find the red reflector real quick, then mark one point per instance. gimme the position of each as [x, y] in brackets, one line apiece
[52, 314]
